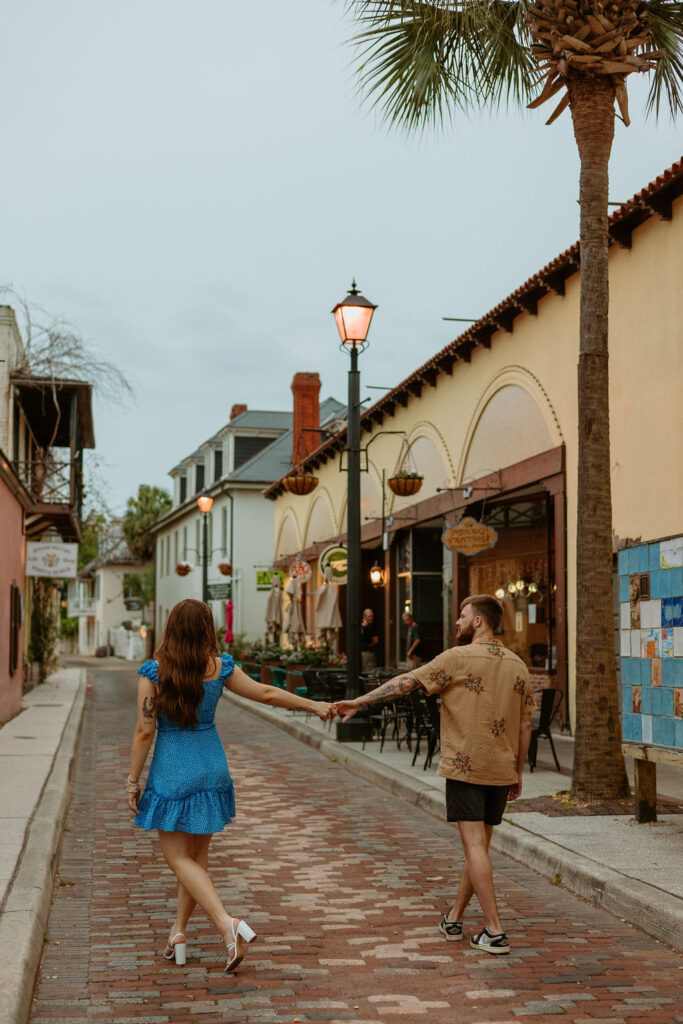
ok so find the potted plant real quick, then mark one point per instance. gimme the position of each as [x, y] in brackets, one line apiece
[272, 658]
[182, 568]
[225, 568]
[300, 483]
[405, 484]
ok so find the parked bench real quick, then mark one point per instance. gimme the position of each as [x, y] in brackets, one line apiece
[645, 758]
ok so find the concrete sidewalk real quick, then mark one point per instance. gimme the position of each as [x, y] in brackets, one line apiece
[37, 750]
[634, 871]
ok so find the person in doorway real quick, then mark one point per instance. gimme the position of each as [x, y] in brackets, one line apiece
[369, 640]
[486, 707]
[189, 792]
[413, 641]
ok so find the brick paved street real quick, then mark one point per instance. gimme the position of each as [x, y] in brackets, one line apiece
[345, 885]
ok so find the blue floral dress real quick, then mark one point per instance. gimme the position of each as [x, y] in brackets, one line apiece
[189, 788]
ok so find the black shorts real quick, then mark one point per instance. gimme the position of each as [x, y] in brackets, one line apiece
[467, 801]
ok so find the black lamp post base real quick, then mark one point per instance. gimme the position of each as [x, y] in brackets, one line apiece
[354, 731]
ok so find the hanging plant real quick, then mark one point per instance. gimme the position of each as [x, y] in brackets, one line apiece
[300, 483]
[182, 568]
[405, 484]
[225, 568]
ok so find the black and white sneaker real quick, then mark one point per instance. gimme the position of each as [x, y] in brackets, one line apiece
[490, 943]
[451, 930]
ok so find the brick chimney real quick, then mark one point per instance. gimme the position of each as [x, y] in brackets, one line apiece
[305, 388]
[237, 410]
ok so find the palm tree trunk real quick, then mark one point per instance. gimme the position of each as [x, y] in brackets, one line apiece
[599, 771]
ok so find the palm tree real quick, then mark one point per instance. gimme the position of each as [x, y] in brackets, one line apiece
[423, 61]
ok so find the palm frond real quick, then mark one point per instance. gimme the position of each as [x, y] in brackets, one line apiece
[666, 34]
[422, 61]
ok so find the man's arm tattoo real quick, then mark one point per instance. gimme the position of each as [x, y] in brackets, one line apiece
[148, 709]
[399, 686]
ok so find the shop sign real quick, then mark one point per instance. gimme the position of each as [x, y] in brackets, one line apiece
[469, 537]
[59, 561]
[220, 591]
[300, 571]
[264, 578]
[337, 557]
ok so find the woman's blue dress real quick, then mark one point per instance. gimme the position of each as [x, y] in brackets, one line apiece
[189, 788]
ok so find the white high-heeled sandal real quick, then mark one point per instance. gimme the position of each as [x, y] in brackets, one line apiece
[178, 950]
[243, 933]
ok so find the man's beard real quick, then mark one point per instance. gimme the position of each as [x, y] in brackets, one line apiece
[465, 635]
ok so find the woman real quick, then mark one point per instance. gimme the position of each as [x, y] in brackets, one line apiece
[189, 793]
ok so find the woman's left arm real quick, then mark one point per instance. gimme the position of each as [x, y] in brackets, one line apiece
[142, 738]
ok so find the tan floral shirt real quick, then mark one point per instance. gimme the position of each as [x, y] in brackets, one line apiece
[485, 692]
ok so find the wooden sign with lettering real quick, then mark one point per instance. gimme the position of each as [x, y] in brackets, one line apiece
[469, 537]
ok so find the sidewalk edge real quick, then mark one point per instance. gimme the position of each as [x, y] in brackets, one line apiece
[27, 908]
[653, 911]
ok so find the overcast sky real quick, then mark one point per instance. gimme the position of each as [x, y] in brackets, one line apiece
[193, 184]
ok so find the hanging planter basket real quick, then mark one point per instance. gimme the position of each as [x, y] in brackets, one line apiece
[300, 484]
[225, 568]
[182, 568]
[405, 485]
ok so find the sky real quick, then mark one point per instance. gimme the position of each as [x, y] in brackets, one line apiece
[194, 184]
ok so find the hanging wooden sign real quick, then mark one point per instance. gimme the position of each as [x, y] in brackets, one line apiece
[470, 537]
[300, 571]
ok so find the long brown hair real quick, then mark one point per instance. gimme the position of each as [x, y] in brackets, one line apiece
[188, 642]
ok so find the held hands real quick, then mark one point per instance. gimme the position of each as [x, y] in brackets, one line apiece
[347, 709]
[325, 711]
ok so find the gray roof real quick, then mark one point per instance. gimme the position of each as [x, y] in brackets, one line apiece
[273, 462]
[267, 418]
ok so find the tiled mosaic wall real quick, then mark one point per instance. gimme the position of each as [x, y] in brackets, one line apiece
[651, 611]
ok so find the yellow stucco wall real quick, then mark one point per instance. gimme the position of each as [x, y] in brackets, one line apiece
[538, 363]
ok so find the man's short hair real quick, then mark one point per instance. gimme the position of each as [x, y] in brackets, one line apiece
[486, 605]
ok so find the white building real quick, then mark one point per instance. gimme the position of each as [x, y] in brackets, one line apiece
[106, 599]
[234, 466]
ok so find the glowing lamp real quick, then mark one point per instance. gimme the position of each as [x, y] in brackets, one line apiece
[500, 593]
[205, 502]
[377, 576]
[353, 316]
[512, 589]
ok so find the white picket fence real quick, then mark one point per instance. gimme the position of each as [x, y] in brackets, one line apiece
[128, 644]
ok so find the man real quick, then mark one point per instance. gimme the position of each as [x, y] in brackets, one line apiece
[369, 640]
[413, 641]
[485, 731]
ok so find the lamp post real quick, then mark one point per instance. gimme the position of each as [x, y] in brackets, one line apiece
[353, 316]
[205, 503]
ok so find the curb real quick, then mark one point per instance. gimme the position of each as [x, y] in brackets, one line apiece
[24, 918]
[653, 911]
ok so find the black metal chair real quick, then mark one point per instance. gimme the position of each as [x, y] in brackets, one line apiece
[333, 685]
[427, 723]
[551, 699]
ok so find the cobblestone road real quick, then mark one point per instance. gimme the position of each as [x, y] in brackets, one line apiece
[344, 884]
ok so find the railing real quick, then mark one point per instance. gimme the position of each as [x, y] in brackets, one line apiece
[81, 606]
[50, 481]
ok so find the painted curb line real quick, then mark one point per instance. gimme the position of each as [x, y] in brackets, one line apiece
[24, 918]
[658, 913]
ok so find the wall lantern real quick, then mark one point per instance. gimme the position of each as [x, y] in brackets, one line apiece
[377, 576]
[353, 315]
[205, 503]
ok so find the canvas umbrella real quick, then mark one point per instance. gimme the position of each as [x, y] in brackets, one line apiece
[274, 611]
[328, 618]
[294, 623]
[228, 637]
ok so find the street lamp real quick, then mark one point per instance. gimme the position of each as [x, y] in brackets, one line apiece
[205, 503]
[353, 316]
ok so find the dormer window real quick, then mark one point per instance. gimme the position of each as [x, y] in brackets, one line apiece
[217, 463]
[183, 490]
[199, 478]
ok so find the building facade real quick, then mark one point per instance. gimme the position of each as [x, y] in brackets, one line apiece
[490, 423]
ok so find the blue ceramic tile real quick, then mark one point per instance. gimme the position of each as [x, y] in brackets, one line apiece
[663, 731]
[678, 671]
[676, 582]
[623, 561]
[646, 728]
[667, 701]
[655, 584]
[678, 733]
[645, 671]
[653, 556]
[626, 695]
[666, 582]
[646, 700]
[626, 726]
[637, 728]
[668, 671]
[624, 594]
[668, 611]
[655, 701]
[632, 560]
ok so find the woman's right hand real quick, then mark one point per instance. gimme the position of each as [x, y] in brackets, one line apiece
[324, 710]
